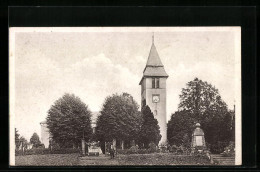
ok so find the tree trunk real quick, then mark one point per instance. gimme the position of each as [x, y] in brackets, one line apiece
[114, 144]
[105, 148]
[22, 148]
[50, 143]
[133, 142]
[83, 147]
[122, 144]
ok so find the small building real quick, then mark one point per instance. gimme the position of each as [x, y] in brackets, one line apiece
[45, 134]
[198, 139]
[29, 146]
[94, 120]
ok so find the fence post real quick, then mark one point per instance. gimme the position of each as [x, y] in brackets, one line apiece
[105, 148]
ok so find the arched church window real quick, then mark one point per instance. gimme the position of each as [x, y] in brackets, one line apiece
[153, 82]
[157, 82]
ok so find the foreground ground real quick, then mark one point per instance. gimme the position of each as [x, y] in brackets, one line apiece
[134, 159]
[47, 160]
[161, 159]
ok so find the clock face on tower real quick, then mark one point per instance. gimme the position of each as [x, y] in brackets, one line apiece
[156, 98]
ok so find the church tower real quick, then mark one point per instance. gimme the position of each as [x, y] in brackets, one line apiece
[153, 89]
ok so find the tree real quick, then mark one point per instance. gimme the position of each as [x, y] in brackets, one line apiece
[69, 121]
[119, 119]
[20, 140]
[24, 142]
[200, 102]
[178, 126]
[232, 127]
[186, 141]
[200, 99]
[35, 140]
[17, 139]
[150, 130]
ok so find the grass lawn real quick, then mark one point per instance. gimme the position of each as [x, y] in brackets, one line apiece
[133, 159]
[161, 159]
[47, 160]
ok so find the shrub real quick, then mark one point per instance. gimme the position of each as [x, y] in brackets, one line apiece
[186, 150]
[34, 151]
[133, 150]
[65, 151]
[53, 144]
[229, 150]
[152, 147]
[39, 146]
[180, 150]
[42, 151]
[201, 152]
[164, 147]
[163, 159]
[173, 148]
[143, 151]
[120, 151]
[18, 152]
[219, 147]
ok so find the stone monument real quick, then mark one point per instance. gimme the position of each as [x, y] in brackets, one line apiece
[198, 139]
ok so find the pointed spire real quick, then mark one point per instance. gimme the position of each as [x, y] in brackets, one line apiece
[153, 38]
[154, 66]
[154, 59]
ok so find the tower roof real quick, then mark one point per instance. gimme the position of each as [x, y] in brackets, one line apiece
[150, 71]
[154, 59]
[154, 66]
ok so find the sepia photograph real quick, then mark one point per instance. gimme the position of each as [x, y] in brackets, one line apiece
[120, 96]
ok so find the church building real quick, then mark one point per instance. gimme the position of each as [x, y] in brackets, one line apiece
[153, 89]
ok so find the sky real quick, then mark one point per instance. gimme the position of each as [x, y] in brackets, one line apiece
[93, 63]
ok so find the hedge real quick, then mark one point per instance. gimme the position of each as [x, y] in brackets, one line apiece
[219, 147]
[163, 159]
[129, 151]
[135, 150]
[42, 151]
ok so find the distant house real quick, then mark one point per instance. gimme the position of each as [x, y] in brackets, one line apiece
[45, 134]
[94, 121]
[29, 146]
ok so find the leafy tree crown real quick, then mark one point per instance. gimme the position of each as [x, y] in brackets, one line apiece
[69, 121]
[200, 102]
[150, 130]
[119, 118]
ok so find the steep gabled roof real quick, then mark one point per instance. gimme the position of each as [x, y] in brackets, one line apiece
[154, 59]
[154, 66]
[155, 71]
